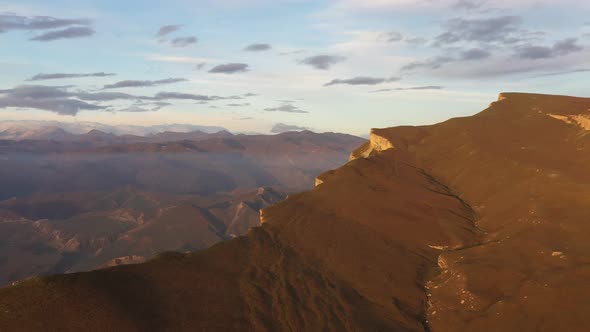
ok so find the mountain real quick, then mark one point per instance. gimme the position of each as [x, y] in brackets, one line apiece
[474, 224]
[29, 129]
[99, 199]
[69, 232]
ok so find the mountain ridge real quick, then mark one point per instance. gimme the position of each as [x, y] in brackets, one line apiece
[476, 223]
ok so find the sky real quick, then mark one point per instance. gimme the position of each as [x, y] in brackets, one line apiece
[273, 65]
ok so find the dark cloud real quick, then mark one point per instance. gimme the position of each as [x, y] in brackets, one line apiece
[185, 96]
[257, 47]
[432, 63]
[65, 100]
[287, 108]
[427, 87]
[106, 96]
[249, 94]
[37, 92]
[9, 22]
[391, 37]
[161, 104]
[183, 41]
[167, 29]
[501, 29]
[52, 92]
[469, 4]
[362, 80]
[322, 62]
[239, 105]
[59, 106]
[475, 54]
[42, 77]
[200, 66]
[68, 33]
[560, 48]
[229, 68]
[54, 99]
[283, 128]
[143, 84]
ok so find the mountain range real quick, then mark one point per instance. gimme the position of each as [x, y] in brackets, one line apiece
[30, 129]
[77, 202]
[474, 224]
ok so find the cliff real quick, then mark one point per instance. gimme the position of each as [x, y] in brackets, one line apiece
[474, 224]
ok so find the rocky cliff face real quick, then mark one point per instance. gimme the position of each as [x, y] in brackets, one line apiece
[474, 224]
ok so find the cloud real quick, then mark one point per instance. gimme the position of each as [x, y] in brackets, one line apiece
[59, 106]
[432, 63]
[186, 96]
[136, 109]
[292, 52]
[416, 40]
[469, 4]
[362, 80]
[42, 77]
[9, 22]
[322, 62]
[414, 88]
[167, 29]
[68, 33]
[229, 68]
[63, 100]
[239, 105]
[391, 37]
[475, 54]
[37, 92]
[502, 29]
[142, 84]
[257, 47]
[106, 96]
[283, 128]
[183, 41]
[560, 48]
[200, 66]
[565, 72]
[54, 99]
[287, 108]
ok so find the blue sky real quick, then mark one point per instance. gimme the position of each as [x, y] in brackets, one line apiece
[341, 65]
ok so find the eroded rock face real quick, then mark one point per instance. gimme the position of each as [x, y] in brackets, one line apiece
[474, 224]
[376, 143]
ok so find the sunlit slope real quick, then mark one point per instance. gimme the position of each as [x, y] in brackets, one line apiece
[474, 224]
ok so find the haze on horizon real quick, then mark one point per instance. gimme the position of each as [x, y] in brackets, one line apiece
[340, 65]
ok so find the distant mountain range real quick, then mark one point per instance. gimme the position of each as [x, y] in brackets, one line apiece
[35, 129]
[75, 202]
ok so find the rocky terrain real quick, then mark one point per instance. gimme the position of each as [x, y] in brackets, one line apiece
[79, 202]
[474, 224]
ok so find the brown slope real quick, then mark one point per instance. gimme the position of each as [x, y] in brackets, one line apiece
[360, 251]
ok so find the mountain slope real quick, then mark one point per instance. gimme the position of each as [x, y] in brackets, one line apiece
[474, 224]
